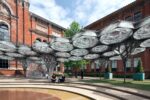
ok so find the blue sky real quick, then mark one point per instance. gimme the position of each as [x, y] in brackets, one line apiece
[63, 12]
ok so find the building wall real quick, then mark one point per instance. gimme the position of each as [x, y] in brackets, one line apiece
[127, 13]
[23, 27]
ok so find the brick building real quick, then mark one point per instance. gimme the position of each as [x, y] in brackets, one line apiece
[135, 11]
[20, 26]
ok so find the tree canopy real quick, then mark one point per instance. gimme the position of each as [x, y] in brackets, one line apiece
[72, 30]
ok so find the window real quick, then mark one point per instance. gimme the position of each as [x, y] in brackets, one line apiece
[56, 34]
[137, 16]
[3, 63]
[136, 61]
[4, 33]
[129, 18]
[128, 63]
[42, 26]
[4, 10]
[97, 65]
[4, 36]
[114, 64]
[92, 65]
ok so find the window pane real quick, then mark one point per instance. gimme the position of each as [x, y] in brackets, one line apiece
[92, 66]
[4, 33]
[137, 16]
[114, 64]
[136, 61]
[128, 63]
[129, 18]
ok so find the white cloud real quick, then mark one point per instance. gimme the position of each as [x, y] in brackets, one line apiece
[93, 10]
[50, 10]
[83, 11]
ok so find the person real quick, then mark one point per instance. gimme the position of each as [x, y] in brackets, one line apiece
[53, 78]
[81, 74]
[62, 78]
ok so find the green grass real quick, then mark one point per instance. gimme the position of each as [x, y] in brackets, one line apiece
[142, 85]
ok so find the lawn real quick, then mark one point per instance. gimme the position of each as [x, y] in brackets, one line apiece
[143, 85]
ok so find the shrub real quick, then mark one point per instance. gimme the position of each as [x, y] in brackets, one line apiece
[139, 68]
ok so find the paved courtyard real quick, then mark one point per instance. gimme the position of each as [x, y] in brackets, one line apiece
[75, 88]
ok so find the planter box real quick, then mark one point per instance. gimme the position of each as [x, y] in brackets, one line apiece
[139, 76]
[108, 75]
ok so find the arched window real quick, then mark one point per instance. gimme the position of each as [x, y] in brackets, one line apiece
[4, 36]
[4, 9]
[4, 32]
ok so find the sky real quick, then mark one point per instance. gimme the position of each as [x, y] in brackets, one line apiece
[85, 12]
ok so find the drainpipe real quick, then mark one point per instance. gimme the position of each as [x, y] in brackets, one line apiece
[16, 31]
[23, 9]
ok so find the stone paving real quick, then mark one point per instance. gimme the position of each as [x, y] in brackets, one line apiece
[77, 87]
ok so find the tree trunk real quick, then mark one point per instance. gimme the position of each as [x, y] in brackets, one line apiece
[25, 70]
[124, 65]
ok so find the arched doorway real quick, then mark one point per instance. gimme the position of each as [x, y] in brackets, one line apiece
[4, 36]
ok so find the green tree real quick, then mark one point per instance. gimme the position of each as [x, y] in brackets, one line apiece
[72, 30]
[139, 68]
[76, 65]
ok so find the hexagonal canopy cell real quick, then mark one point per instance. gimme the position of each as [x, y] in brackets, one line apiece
[115, 58]
[79, 52]
[109, 53]
[62, 59]
[62, 46]
[61, 39]
[62, 54]
[34, 58]
[4, 57]
[145, 43]
[15, 55]
[84, 42]
[41, 47]
[91, 56]
[89, 33]
[99, 48]
[137, 50]
[116, 35]
[7, 46]
[75, 58]
[25, 50]
[143, 32]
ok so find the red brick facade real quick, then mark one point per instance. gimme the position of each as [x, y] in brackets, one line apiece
[24, 27]
[129, 12]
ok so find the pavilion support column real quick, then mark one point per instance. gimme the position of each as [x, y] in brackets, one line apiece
[62, 67]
